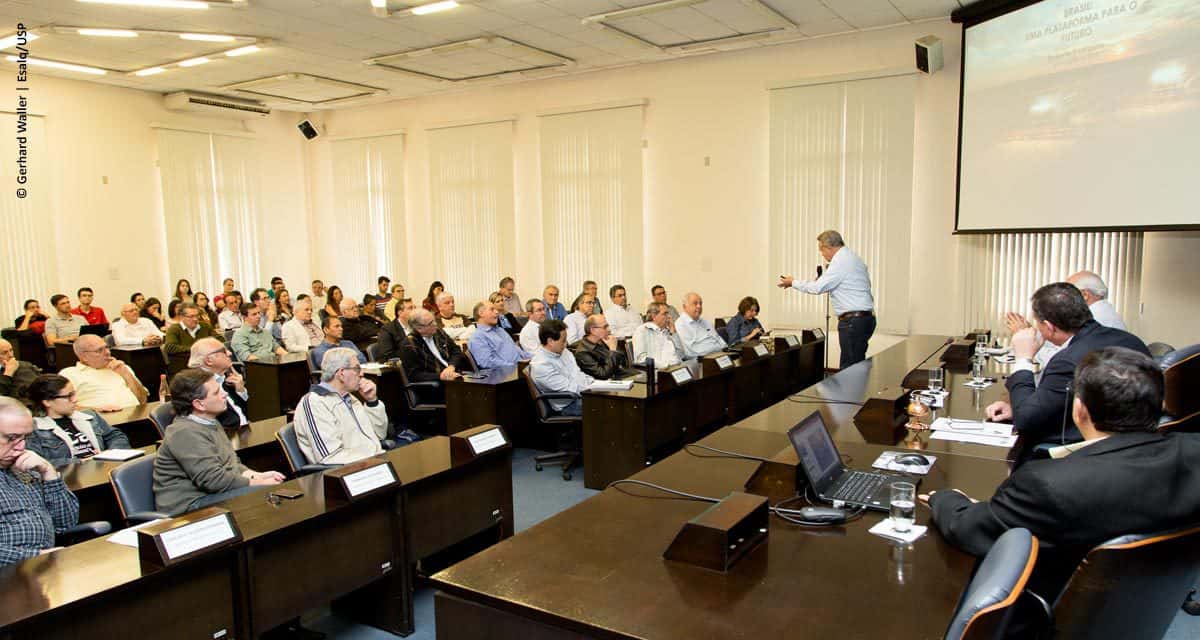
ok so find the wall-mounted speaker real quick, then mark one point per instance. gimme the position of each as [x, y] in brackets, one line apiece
[308, 129]
[929, 54]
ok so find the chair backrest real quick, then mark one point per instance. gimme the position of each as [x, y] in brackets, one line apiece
[544, 410]
[410, 393]
[110, 341]
[470, 358]
[1130, 587]
[161, 417]
[999, 580]
[313, 365]
[373, 352]
[286, 437]
[629, 351]
[1181, 377]
[1159, 349]
[723, 331]
[133, 483]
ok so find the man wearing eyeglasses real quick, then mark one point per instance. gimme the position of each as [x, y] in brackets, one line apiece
[181, 337]
[212, 356]
[15, 375]
[101, 381]
[333, 426]
[33, 497]
[597, 354]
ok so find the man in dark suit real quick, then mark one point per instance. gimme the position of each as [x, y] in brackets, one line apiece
[395, 333]
[213, 356]
[1123, 478]
[1038, 408]
[429, 355]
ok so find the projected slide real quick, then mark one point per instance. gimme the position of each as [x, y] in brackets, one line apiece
[1082, 114]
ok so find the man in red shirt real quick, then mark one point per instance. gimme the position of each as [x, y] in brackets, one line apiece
[93, 315]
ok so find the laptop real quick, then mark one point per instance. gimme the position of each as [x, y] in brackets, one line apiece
[833, 481]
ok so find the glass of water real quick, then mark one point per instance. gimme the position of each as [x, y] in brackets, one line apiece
[977, 369]
[981, 343]
[904, 506]
[937, 377]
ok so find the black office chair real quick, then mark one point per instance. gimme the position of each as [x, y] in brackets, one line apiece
[419, 406]
[1159, 349]
[1181, 378]
[988, 602]
[286, 437]
[373, 352]
[1130, 587]
[470, 358]
[161, 417]
[723, 331]
[133, 483]
[110, 341]
[569, 428]
[82, 532]
[314, 369]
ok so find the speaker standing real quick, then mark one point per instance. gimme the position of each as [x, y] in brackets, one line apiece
[849, 287]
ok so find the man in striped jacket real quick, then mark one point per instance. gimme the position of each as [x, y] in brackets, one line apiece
[334, 427]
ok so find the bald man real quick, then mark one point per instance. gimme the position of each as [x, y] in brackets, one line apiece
[697, 334]
[15, 375]
[132, 330]
[1095, 294]
[101, 381]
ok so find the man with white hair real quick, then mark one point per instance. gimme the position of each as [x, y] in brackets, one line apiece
[35, 501]
[657, 339]
[301, 333]
[101, 381]
[429, 355]
[334, 427]
[454, 324]
[529, 332]
[15, 375]
[1095, 294]
[212, 356]
[132, 330]
[697, 334]
[360, 329]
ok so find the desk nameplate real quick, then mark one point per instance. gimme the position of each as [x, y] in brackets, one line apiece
[189, 535]
[713, 364]
[754, 352]
[358, 479]
[476, 441]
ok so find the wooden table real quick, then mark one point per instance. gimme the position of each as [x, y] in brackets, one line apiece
[257, 447]
[597, 569]
[500, 397]
[276, 385]
[135, 422]
[148, 364]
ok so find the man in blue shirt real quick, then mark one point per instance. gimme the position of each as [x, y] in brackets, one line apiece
[491, 346]
[332, 326]
[554, 309]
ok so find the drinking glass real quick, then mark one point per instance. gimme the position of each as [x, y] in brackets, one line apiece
[981, 343]
[977, 369]
[904, 506]
[937, 377]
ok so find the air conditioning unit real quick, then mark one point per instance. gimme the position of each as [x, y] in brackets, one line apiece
[218, 106]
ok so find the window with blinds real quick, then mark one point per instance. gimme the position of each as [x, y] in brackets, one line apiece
[842, 158]
[211, 200]
[591, 163]
[368, 187]
[471, 207]
[27, 269]
[1003, 271]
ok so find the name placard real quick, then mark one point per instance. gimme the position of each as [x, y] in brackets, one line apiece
[724, 362]
[357, 479]
[486, 441]
[792, 340]
[760, 350]
[174, 540]
[469, 443]
[681, 375]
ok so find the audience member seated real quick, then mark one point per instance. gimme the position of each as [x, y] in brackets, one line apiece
[332, 328]
[62, 434]
[251, 341]
[227, 287]
[382, 296]
[85, 310]
[318, 294]
[697, 334]
[333, 304]
[33, 497]
[554, 309]
[132, 330]
[153, 312]
[15, 375]
[657, 339]
[301, 333]
[63, 326]
[212, 356]
[208, 315]
[508, 297]
[621, 321]
[429, 355]
[183, 291]
[281, 308]
[138, 299]
[1124, 477]
[597, 354]
[658, 294]
[1095, 294]
[456, 325]
[529, 333]
[276, 286]
[196, 465]
[554, 370]
[33, 319]
[172, 314]
[389, 308]
[180, 337]
[580, 310]
[394, 333]
[101, 381]
[333, 426]
[360, 329]
[507, 321]
[491, 346]
[430, 302]
[745, 325]
[1038, 408]
[591, 289]
[231, 317]
[267, 320]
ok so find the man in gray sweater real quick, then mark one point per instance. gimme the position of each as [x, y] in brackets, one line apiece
[196, 465]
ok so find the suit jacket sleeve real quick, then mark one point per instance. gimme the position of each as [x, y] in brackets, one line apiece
[1038, 410]
[412, 358]
[173, 343]
[596, 366]
[1023, 500]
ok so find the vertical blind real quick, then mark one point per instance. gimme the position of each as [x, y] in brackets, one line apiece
[211, 199]
[471, 207]
[27, 270]
[368, 185]
[591, 165]
[841, 158]
[1003, 271]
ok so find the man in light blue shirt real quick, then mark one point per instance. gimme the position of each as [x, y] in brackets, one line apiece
[849, 288]
[491, 346]
[554, 370]
[698, 336]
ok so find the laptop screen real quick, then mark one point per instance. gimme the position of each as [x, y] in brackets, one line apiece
[819, 457]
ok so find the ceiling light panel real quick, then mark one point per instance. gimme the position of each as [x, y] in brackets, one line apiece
[150, 48]
[697, 21]
[303, 88]
[471, 59]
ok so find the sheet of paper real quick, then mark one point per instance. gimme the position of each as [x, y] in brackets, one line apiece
[119, 455]
[974, 438]
[995, 429]
[128, 537]
[884, 530]
[611, 385]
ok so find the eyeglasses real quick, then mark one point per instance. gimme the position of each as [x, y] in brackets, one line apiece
[100, 349]
[355, 369]
[216, 351]
[14, 438]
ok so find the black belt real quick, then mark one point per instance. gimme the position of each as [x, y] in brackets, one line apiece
[855, 314]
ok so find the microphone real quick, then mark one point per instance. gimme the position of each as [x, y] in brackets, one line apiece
[820, 270]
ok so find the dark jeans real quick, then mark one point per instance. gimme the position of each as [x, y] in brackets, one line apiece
[573, 409]
[853, 336]
[214, 498]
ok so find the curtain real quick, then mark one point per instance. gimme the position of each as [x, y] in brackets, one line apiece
[368, 184]
[27, 270]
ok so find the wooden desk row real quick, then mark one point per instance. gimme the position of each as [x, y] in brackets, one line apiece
[295, 555]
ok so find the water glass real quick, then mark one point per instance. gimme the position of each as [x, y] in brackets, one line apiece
[937, 377]
[981, 343]
[977, 369]
[904, 506]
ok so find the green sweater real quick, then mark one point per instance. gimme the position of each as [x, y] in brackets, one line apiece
[194, 460]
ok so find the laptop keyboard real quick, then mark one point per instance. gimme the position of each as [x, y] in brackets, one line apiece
[860, 486]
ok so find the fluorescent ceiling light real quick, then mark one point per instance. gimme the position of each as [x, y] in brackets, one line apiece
[194, 62]
[641, 11]
[433, 7]
[241, 51]
[162, 4]
[149, 72]
[108, 33]
[11, 41]
[207, 37]
[59, 65]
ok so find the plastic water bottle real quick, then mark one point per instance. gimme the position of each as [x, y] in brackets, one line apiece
[164, 392]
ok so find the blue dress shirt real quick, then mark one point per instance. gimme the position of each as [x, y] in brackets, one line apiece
[492, 347]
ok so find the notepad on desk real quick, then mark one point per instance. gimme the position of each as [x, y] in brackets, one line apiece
[118, 455]
[128, 537]
[989, 433]
[611, 385]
